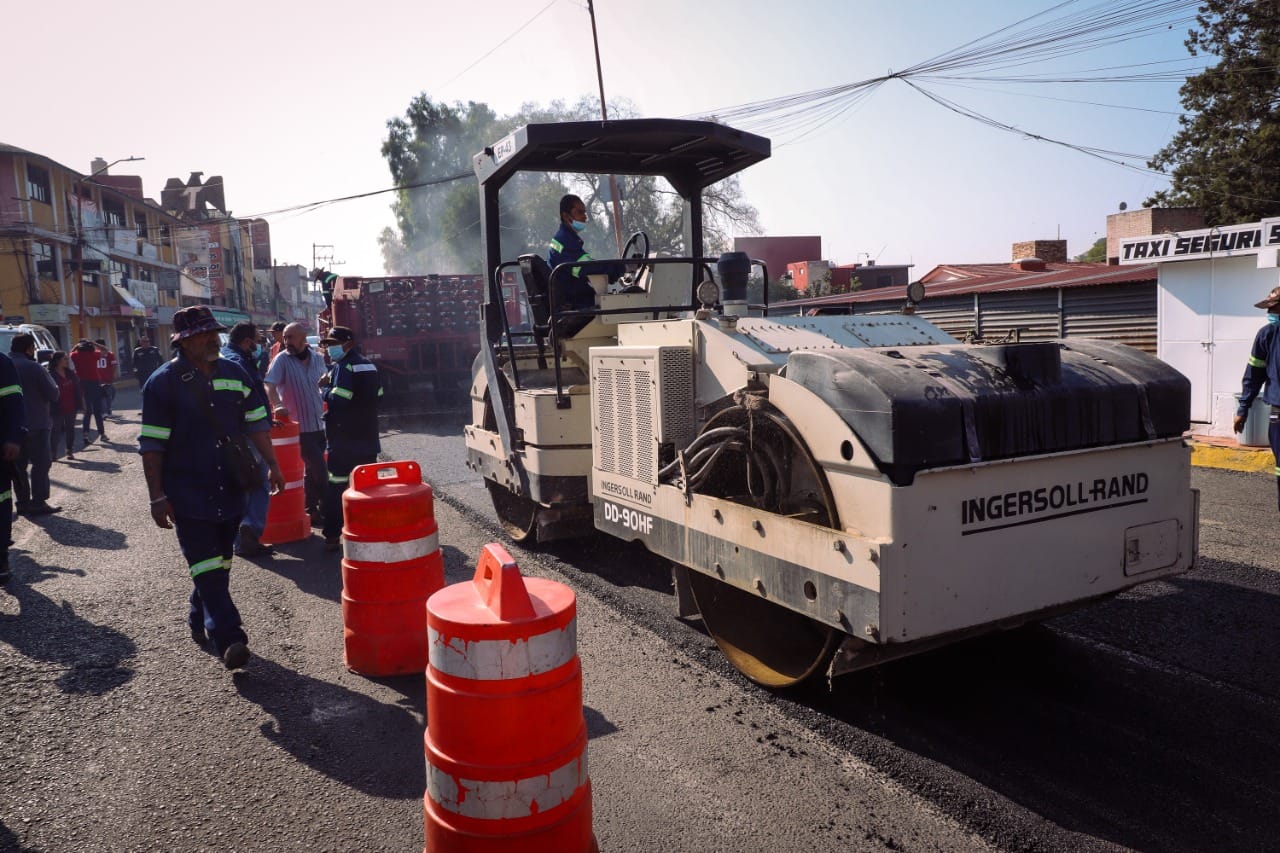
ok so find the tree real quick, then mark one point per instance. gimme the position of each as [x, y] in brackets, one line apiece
[438, 224]
[1096, 253]
[1225, 158]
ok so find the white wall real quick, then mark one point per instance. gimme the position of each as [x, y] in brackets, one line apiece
[1207, 323]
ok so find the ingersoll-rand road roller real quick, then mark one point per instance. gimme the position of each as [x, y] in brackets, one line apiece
[835, 491]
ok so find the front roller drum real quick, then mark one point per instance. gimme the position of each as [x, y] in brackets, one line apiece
[766, 642]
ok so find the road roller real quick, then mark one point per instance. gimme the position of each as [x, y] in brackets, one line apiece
[833, 492]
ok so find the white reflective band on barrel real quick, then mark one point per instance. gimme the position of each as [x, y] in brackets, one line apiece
[506, 800]
[294, 484]
[499, 660]
[280, 442]
[390, 552]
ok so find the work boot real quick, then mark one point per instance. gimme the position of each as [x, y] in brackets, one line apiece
[198, 636]
[249, 543]
[42, 508]
[317, 518]
[86, 440]
[333, 543]
[236, 656]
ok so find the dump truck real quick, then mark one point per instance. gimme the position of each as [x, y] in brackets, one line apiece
[833, 492]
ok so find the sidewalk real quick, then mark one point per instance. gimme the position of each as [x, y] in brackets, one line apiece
[1227, 453]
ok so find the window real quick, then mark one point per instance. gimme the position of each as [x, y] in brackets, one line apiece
[113, 212]
[38, 184]
[140, 219]
[42, 254]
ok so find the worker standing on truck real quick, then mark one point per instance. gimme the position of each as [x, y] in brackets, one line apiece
[574, 292]
[351, 389]
[1264, 370]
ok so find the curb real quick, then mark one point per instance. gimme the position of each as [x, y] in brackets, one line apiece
[1247, 459]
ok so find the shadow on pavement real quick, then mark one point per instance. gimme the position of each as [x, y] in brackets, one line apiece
[305, 562]
[9, 841]
[351, 738]
[1168, 747]
[91, 655]
[80, 463]
[66, 530]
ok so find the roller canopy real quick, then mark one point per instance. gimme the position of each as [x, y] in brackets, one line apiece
[933, 406]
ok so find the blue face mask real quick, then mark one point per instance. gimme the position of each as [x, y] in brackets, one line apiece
[578, 226]
[1273, 319]
[335, 351]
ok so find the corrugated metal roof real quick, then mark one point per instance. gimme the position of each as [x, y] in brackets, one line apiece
[958, 279]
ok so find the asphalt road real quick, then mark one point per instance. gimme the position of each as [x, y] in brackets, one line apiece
[1147, 722]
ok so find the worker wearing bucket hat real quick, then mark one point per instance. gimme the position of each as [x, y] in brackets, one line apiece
[1262, 375]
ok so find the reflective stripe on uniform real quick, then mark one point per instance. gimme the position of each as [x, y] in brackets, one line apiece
[343, 393]
[555, 244]
[500, 660]
[1256, 362]
[577, 271]
[507, 799]
[231, 385]
[207, 566]
[362, 368]
[380, 392]
[1277, 474]
[337, 478]
[149, 431]
[6, 496]
[254, 415]
[390, 552]
[10, 389]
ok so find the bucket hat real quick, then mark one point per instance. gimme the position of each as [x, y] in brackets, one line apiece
[192, 321]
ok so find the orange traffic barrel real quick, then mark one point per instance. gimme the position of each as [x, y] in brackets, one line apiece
[506, 741]
[287, 519]
[391, 565]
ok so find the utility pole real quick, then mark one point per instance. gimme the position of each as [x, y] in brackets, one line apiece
[77, 249]
[604, 115]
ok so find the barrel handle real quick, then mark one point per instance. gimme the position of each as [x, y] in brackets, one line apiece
[384, 474]
[500, 585]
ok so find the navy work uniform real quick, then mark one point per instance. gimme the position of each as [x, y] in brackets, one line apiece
[574, 291]
[13, 430]
[180, 410]
[351, 429]
[1263, 375]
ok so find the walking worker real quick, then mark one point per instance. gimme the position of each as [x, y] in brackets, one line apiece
[70, 401]
[12, 432]
[351, 389]
[1263, 375]
[84, 359]
[292, 384]
[39, 394]
[146, 360]
[193, 410]
[242, 350]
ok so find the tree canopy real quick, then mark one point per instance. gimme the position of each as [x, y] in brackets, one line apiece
[1225, 158]
[1096, 253]
[438, 220]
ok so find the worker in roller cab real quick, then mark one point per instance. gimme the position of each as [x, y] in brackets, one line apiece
[351, 391]
[574, 291]
[1262, 375]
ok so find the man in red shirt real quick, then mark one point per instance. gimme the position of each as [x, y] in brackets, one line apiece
[107, 376]
[85, 359]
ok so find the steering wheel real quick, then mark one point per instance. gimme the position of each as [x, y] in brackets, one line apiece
[632, 250]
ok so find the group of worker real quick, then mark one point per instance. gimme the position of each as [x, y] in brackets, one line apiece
[206, 419]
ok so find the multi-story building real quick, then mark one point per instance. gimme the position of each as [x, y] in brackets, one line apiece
[85, 255]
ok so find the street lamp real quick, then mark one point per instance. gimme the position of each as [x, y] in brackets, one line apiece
[77, 250]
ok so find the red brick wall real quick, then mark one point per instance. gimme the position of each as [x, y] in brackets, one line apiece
[1050, 251]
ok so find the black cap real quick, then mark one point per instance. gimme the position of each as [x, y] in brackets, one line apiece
[338, 335]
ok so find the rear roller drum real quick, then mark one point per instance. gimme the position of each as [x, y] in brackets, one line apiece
[518, 515]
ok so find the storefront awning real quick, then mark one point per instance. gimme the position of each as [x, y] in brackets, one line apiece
[128, 298]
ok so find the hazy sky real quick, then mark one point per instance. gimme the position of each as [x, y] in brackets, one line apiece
[288, 102]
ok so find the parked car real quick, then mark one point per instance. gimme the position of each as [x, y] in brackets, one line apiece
[45, 341]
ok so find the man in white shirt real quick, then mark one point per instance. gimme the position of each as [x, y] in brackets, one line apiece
[293, 389]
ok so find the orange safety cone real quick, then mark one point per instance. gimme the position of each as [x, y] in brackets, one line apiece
[287, 519]
[391, 565]
[506, 742]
